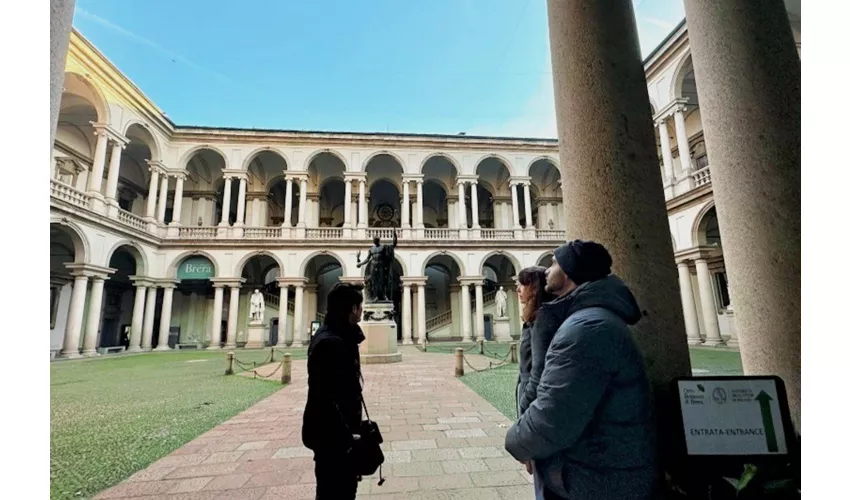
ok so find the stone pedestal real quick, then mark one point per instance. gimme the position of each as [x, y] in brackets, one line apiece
[256, 335]
[381, 345]
[502, 329]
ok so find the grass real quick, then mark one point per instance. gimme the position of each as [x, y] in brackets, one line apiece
[499, 384]
[111, 417]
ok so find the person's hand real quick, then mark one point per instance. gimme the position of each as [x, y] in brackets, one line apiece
[529, 467]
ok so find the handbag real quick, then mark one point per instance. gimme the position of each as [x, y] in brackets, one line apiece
[367, 450]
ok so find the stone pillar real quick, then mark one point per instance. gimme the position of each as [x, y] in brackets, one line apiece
[666, 152]
[465, 319]
[421, 327]
[93, 323]
[165, 317]
[598, 75]
[515, 206]
[61, 19]
[71, 342]
[287, 209]
[298, 324]
[138, 317]
[218, 306]
[361, 203]
[479, 311]
[240, 202]
[283, 316]
[177, 208]
[682, 140]
[473, 188]
[96, 173]
[112, 174]
[526, 192]
[420, 218]
[406, 311]
[709, 310]
[302, 204]
[150, 208]
[232, 317]
[461, 205]
[688, 306]
[750, 109]
[346, 210]
[150, 312]
[225, 203]
[163, 199]
[405, 204]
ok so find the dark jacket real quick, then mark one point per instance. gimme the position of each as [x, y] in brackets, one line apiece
[524, 366]
[333, 412]
[549, 318]
[590, 431]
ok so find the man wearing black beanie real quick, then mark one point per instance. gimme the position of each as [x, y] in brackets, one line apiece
[590, 432]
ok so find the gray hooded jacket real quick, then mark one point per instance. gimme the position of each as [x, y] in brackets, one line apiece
[590, 431]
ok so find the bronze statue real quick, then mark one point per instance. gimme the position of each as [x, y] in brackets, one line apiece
[379, 275]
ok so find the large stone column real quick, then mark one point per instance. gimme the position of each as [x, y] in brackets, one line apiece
[163, 199]
[666, 151]
[240, 201]
[177, 207]
[750, 106]
[461, 205]
[473, 189]
[361, 204]
[406, 324]
[346, 209]
[283, 316]
[138, 316]
[526, 198]
[71, 342]
[682, 140]
[150, 312]
[465, 317]
[298, 324]
[287, 209]
[61, 18]
[709, 309]
[421, 325]
[609, 159]
[688, 306]
[165, 317]
[150, 208]
[232, 317]
[96, 174]
[225, 202]
[420, 199]
[479, 311]
[515, 206]
[218, 306]
[405, 204]
[93, 323]
[113, 173]
[302, 203]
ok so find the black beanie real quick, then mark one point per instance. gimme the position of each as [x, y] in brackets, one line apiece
[583, 261]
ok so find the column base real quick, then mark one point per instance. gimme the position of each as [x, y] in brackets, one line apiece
[147, 348]
[346, 232]
[70, 355]
[162, 348]
[237, 231]
[112, 208]
[475, 233]
[90, 354]
[407, 342]
[694, 341]
[134, 349]
[466, 338]
[301, 232]
[231, 346]
[714, 343]
[214, 347]
[173, 231]
[733, 344]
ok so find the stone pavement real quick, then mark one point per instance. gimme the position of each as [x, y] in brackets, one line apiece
[441, 441]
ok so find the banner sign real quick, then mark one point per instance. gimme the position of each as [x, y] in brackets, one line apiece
[196, 267]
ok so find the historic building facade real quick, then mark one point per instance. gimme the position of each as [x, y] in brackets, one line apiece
[160, 233]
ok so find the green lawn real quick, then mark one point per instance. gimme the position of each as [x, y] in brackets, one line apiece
[111, 417]
[498, 385]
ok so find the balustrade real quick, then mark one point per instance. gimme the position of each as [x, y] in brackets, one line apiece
[439, 320]
[385, 233]
[441, 234]
[131, 219]
[550, 234]
[68, 194]
[702, 177]
[262, 232]
[324, 233]
[497, 234]
[198, 233]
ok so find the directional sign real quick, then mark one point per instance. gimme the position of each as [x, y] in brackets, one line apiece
[735, 416]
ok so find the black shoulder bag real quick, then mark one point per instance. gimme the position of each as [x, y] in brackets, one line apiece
[367, 450]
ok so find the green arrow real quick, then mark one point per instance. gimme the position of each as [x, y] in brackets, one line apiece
[767, 419]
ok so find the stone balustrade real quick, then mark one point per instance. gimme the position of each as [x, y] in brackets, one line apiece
[69, 194]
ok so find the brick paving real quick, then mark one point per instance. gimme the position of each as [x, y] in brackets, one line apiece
[441, 440]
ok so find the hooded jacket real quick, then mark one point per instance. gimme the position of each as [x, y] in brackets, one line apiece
[333, 411]
[590, 431]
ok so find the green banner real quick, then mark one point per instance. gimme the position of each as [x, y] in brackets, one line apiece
[196, 268]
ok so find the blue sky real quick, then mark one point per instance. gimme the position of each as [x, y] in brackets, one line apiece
[422, 66]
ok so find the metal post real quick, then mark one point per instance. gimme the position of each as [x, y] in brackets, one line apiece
[229, 370]
[458, 362]
[513, 352]
[286, 376]
[272, 355]
[481, 346]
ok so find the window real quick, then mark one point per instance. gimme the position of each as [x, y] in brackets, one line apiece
[701, 162]
[721, 290]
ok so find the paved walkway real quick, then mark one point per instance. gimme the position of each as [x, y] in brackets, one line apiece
[441, 441]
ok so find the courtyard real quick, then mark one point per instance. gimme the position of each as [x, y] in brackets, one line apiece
[172, 425]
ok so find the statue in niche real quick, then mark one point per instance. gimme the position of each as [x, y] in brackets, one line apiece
[551, 224]
[501, 302]
[258, 307]
[379, 276]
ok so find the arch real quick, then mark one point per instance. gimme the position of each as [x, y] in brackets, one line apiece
[447, 156]
[240, 267]
[388, 153]
[653, 108]
[256, 152]
[136, 252]
[100, 104]
[302, 269]
[156, 146]
[698, 223]
[679, 74]
[324, 182]
[330, 151]
[78, 238]
[508, 165]
[501, 253]
[547, 254]
[175, 263]
[184, 160]
[549, 158]
[452, 255]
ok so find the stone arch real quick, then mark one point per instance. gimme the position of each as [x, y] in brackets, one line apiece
[97, 96]
[679, 75]
[508, 165]
[136, 251]
[78, 238]
[387, 152]
[546, 256]
[256, 152]
[302, 268]
[551, 159]
[698, 223]
[448, 157]
[152, 141]
[330, 151]
[502, 253]
[240, 266]
[175, 263]
[184, 160]
[451, 255]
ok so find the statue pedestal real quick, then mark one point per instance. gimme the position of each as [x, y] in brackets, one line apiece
[502, 329]
[256, 335]
[378, 326]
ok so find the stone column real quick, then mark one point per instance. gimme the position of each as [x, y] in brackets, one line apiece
[612, 154]
[287, 209]
[240, 202]
[347, 205]
[406, 324]
[361, 203]
[165, 317]
[93, 323]
[61, 18]
[420, 218]
[71, 342]
[298, 324]
[283, 316]
[150, 208]
[709, 310]
[405, 204]
[138, 317]
[112, 174]
[750, 109]
[515, 206]
[688, 306]
[177, 208]
[232, 317]
[526, 191]
[150, 312]
[96, 173]
[218, 306]
[473, 188]
[225, 203]
[479, 311]
[461, 205]
[465, 319]
[302, 204]
[666, 152]
[421, 327]
[682, 140]
[163, 199]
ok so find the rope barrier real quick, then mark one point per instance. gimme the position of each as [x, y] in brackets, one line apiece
[251, 366]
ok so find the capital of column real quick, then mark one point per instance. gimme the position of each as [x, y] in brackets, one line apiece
[352, 280]
[414, 280]
[288, 281]
[157, 166]
[472, 179]
[518, 181]
[177, 173]
[296, 175]
[228, 282]
[354, 176]
[167, 283]
[89, 270]
[412, 177]
[234, 173]
[144, 281]
[110, 133]
[471, 280]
